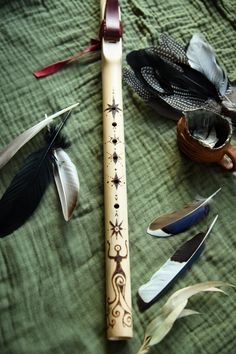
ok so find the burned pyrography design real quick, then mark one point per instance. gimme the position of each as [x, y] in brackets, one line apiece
[116, 181]
[113, 108]
[114, 140]
[116, 229]
[118, 307]
[114, 157]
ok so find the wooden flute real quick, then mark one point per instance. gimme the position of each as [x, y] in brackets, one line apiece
[118, 284]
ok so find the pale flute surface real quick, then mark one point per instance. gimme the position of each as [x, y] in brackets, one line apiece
[118, 288]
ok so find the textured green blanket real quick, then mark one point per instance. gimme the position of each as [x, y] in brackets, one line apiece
[52, 272]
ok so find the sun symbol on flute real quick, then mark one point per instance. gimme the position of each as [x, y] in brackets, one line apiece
[113, 108]
[116, 228]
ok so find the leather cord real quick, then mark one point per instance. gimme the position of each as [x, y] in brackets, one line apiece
[111, 27]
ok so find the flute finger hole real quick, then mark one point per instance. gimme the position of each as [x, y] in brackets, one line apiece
[116, 206]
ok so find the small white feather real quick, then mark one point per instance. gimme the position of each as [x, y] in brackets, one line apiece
[16, 144]
[202, 57]
[67, 182]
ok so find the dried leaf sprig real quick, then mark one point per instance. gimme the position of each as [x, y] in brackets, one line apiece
[173, 309]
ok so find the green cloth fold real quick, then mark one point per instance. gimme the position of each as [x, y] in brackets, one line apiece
[52, 283]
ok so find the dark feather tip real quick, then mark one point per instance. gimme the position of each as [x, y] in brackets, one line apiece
[143, 306]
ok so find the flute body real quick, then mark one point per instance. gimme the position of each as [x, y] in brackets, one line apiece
[118, 284]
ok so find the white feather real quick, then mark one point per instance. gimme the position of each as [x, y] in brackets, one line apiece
[16, 144]
[160, 280]
[202, 57]
[67, 182]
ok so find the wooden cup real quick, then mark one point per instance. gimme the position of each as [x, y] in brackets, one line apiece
[224, 154]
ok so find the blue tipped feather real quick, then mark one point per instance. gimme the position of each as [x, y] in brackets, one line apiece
[180, 220]
[172, 269]
[187, 221]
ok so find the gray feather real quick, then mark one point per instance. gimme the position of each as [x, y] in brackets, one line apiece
[202, 57]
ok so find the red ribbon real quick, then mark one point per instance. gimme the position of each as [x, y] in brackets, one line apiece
[52, 68]
[110, 29]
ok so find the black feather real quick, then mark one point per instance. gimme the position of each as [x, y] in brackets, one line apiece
[29, 185]
[171, 76]
[187, 78]
[139, 59]
[156, 102]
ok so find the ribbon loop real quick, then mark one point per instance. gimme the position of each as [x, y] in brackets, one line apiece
[111, 27]
[52, 68]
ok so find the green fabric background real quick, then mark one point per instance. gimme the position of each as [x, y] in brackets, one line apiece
[52, 272]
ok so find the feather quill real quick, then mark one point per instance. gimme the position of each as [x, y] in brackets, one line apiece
[16, 144]
[180, 220]
[172, 269]
[202, 57]
[67, 182]
[28, 186]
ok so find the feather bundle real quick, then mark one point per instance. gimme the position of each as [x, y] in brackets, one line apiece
[180, 79]
[27, 188]
[166, 77]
